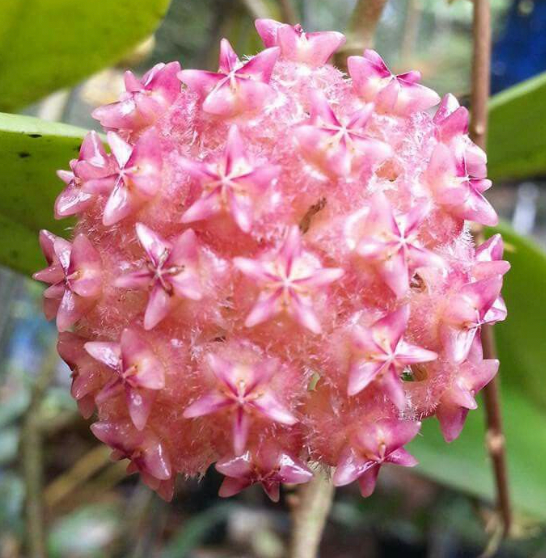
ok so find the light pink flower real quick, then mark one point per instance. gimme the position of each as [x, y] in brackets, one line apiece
[458, 187]
[270, 467]
[389, 242]
[381, 353]
[135, 180]
[488, 259]
[287, 282]
[243, 391]
[370, 448]
[466, 311]
[146, 454]
[75, 274]
[458, 399]
[400, 94]
[92, 163]
[336, 146]
[171, 273]
[232, 184]
[237, 87]
[314, 49]
[138, 373]
[143, 101]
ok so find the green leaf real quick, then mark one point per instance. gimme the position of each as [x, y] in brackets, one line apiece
[516, 146]
[50, 44]
[521, 342]
[31, 150]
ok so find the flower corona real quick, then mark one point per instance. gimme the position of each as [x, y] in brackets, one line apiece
[272, 269]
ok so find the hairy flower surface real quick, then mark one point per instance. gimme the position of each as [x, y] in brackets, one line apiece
[272, 269]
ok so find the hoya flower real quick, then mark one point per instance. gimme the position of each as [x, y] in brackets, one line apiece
[135, 180]
[144, 450]
[471, 307]
[456, 189]
[314, 49]
[389, 242]
[74, 275]
[400, 94]
[381, 353]
[270, 468]
[138, 373]
[458, 399]
[92, 163]
[262, 257]
[372, 446]
[171, 273]
[243, 391]
[287, 281]
[232, 185]
[144, 100]
[237, 87]
[338, 147]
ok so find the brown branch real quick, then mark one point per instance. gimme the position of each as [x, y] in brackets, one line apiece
[32, 461]
[361, 30]
[481, 62]
[310, 512]
[288, 12]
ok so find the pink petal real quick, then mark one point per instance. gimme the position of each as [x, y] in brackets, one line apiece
[362, 373]
[254, 269]
[260, 67]
[268, 29]
[368, 480]
[206, 405]
[402, 457]
[265, 308]
[304, 314]
[156, 462]
[135, 280]
[292, 471]
[412, 354]
[232, 486]
[290, 248]
[85, 262]
[139, 403]
[135, 351]
[107, 353]
[394, 389]
[350, 467]
[268, 405]
[236, 467]
[155, 246]
[120, 204]
[71, 309]
[317, 48]
[391, 327]
[200, 81]
[112, 389]
[240, 428]
[120, 148]
[223, 370]
[321, 277]
[204, 208]
[452, 419]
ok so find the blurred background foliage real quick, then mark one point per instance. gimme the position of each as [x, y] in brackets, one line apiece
[441, 509]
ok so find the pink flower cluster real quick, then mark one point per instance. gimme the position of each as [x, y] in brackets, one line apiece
[272, 267]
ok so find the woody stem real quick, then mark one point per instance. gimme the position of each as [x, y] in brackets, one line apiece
[310, 511]
[495, 441]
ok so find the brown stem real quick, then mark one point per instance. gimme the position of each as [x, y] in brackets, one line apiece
[32, 465]
[311, 508]
[361, 30]
[481, 61]
[288, 12]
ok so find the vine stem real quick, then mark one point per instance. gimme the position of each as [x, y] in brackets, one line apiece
[361, 30]
[495, 440]
[310, 512]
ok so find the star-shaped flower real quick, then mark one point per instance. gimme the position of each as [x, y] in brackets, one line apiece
[75, 274]
[488, 259]
[232, 184]
[451, 121]
[288, 279]
[92, 163]
[373, 446]
[458, 186]
[314, 49]
[86, 382]
[145, 451]
[135, 180]
[472, 306]
[270, 467]
[389, 241]
[170, 274]
[138, 373]
[241, 390]
[381, 353]
[399, 94]
[339, 147]
[458, 399]
[237, 87]
[143, 101]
